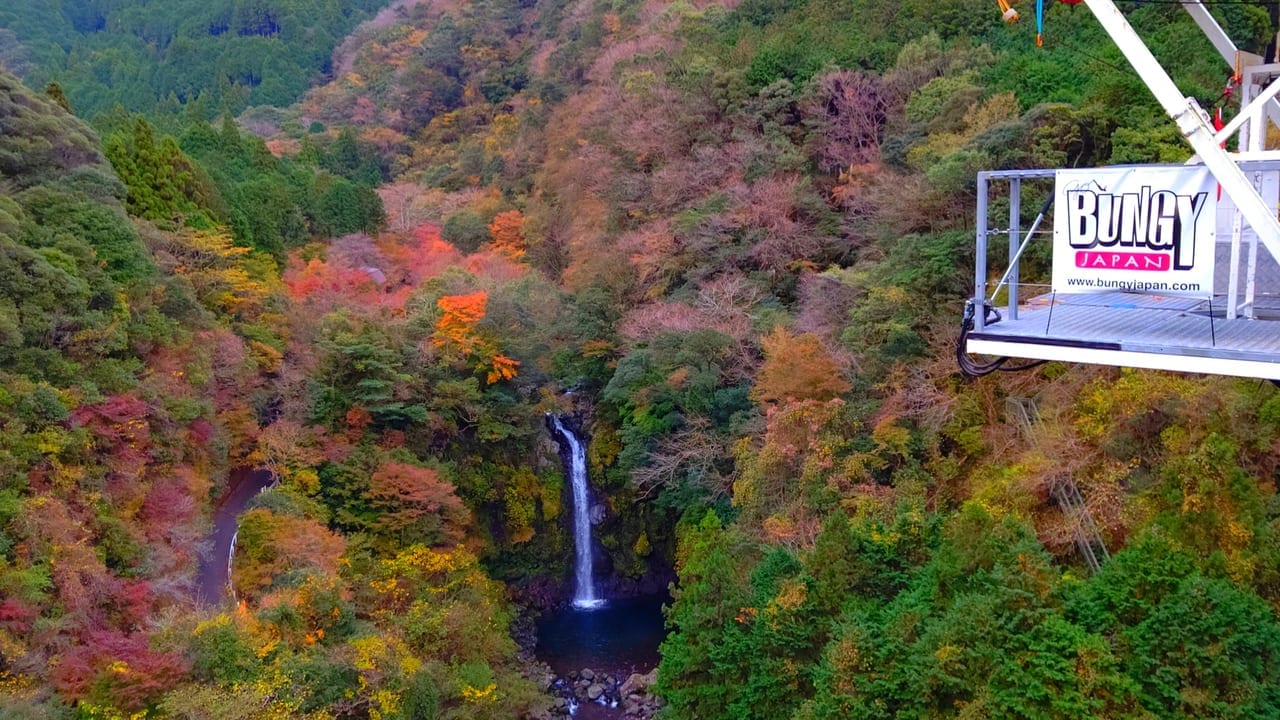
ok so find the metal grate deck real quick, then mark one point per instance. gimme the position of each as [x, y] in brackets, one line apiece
[1169, 332]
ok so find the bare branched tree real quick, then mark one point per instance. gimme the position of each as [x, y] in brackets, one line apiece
[692, 454]
[848, 111]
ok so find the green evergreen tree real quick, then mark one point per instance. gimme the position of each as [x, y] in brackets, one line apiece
[229, 140]
[694, 676]
[835, 564]
[164, 184]
[782, 644]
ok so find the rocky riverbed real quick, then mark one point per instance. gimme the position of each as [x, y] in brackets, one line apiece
[632, 696]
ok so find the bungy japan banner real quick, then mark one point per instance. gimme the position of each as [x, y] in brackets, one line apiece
[1141, 229]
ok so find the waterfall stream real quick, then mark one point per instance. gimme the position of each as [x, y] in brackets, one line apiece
[592, 645]
[584, 592]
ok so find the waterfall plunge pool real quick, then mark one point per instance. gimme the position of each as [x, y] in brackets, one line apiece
[620, 638]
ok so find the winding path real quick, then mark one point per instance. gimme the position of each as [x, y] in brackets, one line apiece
[213, 578]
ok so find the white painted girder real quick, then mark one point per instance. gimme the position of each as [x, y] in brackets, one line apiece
[1193, 122]
[1126, 358]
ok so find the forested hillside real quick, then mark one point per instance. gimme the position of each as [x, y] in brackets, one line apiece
[159, 55]
[145, 354]
[740, 233]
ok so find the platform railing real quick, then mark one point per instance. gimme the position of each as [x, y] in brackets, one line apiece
[1017, 243]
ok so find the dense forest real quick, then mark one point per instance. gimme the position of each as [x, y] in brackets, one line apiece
[159, 56]
[371, 251]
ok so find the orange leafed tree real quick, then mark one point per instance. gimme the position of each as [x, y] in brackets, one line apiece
[307, 280]
[504, 368]
[417, 505]
[458, 330]
[797, 367]
[328, 285]
[507, 231]
[423, 255]
[457, 324]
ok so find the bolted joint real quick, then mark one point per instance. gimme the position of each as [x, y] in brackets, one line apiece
[1192, 119]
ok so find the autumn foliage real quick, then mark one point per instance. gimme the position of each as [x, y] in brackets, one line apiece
[507, 230]
[797, 367]
[118, 669]
[460, 316]
[414, 504]
[271, 544]
[458, 331]
[738, 231]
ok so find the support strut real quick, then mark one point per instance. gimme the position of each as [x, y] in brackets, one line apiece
[1193, 121]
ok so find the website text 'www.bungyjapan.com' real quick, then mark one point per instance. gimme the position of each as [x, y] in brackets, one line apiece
[1132, 285]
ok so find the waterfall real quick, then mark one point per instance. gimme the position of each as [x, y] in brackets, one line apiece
[584, 593]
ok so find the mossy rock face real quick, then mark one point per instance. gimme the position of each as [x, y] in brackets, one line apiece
[538, 545]
[627, 533]
[602, 452]
[552, 489]
[642, 547]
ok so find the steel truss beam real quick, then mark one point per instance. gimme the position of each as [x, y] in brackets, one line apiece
[1191, 119]
[1234, 57]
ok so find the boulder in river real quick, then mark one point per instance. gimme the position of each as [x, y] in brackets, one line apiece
[638, 682]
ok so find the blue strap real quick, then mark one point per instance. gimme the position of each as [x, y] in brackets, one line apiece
[1039, 17]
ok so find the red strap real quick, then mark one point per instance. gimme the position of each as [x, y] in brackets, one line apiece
[1217, 125]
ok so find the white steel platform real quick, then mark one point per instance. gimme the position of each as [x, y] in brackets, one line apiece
[1137, 330]
[1237, 332]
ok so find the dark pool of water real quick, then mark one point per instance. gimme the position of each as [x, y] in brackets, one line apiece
[620, 638]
